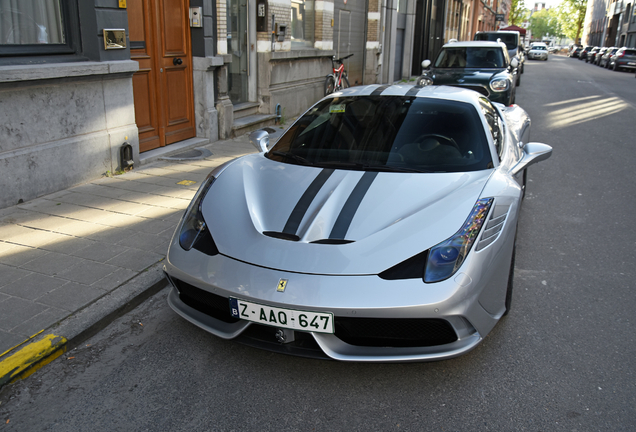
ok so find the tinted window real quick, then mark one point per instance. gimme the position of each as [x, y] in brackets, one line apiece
[387, 133]
[470, 58]
[510, 39]
[630, 52]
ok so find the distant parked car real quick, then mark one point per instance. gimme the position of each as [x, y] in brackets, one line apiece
[584, 52]
[591, 55]
[605, 60]
[625, 58]
[599, 54]
[539, 51]
[575, 51]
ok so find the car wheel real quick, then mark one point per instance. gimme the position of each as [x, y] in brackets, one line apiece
[518, 83]
[616, 68]
[511, 277]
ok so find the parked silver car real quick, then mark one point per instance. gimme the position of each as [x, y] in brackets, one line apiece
[380, 227]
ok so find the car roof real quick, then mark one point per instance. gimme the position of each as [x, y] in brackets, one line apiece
[431, 92]
[475, 44]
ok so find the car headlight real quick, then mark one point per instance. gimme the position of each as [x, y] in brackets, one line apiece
[445, 258]
[499, 84]
[424, 81]
[194, 227]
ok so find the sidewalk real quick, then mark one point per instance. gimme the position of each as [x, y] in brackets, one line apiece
[71, 261]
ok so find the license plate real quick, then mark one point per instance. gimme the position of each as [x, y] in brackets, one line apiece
[318, 322]
[631, 63]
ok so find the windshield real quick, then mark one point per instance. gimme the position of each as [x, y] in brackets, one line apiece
[387, 133]
[539, 47]
[470, 58]
[510, 39]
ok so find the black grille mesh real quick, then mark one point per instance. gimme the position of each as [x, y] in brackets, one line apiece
[205, 302]
[395, 332]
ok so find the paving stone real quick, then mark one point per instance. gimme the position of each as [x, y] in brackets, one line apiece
[156, 226]
[20, 255]
[111, 235]
[135, 259]
[32, 286]
[14, 311]
[87, 272]
[68, 246]
[39, 322]
[9, 340]
[143, 241]
[160, 213]
[68, 210]
[52, 263]
[100, 252]
[115, 279]
[71, 297]
[11, 274]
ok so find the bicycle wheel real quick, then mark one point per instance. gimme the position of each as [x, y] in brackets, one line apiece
[330, 85]
[345, 82]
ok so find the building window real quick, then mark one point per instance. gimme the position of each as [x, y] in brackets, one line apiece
[35, 27]
[302, 24]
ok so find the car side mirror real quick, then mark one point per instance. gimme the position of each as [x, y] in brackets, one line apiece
[260, 140]
[426, 64]
[514, 62]
[532, 153]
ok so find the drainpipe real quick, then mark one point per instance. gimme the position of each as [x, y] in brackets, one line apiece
[382, 25]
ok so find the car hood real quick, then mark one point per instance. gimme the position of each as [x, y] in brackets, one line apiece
[464, 76]
[385, 217]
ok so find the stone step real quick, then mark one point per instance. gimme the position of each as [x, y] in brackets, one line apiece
[244, 125]
[245, 109]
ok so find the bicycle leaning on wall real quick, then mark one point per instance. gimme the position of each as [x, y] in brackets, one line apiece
[337, 80]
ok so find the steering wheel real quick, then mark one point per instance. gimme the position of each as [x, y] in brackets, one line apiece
[444, 140]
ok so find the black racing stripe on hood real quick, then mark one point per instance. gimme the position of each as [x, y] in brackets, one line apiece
[379, 90]
[297, 215]
[340, 228]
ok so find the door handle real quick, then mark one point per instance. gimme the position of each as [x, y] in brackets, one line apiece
[176, 61]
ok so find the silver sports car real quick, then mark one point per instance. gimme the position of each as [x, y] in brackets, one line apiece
[380, 227]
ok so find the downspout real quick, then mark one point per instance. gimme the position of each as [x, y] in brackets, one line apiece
[382, 27]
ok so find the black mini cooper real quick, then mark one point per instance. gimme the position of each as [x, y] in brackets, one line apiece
[477, 65]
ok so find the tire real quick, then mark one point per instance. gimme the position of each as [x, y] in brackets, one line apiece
[330, 85]
[511, 276]
[616, 68]
[345, 82]
[524, 183]
[518, 82]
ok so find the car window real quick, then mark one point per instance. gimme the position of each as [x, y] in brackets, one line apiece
[469, 57]
[630, 52]
[510, 39]
[397, 132]
[494, 123]
[539, 47]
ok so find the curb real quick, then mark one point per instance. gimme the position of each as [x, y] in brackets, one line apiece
[25, 359]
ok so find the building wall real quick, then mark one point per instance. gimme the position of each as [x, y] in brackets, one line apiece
[65, 116]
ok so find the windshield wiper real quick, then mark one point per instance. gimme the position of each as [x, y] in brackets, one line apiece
[292, 156]
[372, 167]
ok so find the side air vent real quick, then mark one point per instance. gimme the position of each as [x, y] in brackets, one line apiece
[333, 241]
[281, 235]
[494, 226]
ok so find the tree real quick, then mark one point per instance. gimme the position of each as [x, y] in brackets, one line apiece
[545, 22]
[518, 13]
[571, 16]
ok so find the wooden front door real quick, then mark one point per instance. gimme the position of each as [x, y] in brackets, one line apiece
[159, 34]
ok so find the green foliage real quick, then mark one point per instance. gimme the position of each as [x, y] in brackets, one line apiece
[518, 13]
[545, 23]
[571, 15]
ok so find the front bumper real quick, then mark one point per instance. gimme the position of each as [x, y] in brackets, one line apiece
[455, 308]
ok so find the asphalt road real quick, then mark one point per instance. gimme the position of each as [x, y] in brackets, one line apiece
[563, 359]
